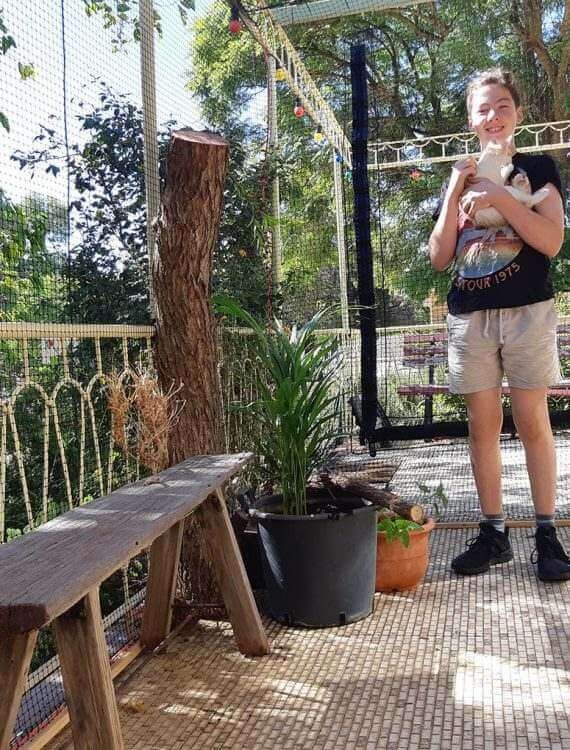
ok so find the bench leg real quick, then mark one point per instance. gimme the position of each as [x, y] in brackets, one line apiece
[157, 615]
[213, 516]
[87, 677]
[15, 657]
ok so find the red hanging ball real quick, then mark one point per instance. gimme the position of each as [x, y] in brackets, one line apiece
[299, 110]
[235, 26]
[415, 175]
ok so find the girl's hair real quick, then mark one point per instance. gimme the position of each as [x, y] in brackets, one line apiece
[497, 76]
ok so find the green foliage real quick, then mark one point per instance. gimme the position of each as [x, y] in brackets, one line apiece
[108, 267]
[227, 77]
[30, 259]
[397, 529]
[122, 15]
[26, 71]
[436, 497]
[419, 63]
[295, 408]
[6, 44]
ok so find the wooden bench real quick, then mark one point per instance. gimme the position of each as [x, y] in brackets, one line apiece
[53, 574]
[427, 351]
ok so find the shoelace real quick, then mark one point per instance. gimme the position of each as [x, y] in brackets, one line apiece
[551, 550]
[481, 537]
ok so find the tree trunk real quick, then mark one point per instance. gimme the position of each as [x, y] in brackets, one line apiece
[185, 349]
[185, 353]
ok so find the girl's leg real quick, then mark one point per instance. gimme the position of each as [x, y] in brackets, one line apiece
[492, 545]
[530, 414]
[485, 414]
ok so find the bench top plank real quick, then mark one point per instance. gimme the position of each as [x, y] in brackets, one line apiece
[45, 572]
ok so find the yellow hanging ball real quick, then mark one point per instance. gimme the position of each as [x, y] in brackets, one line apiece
[280, 75]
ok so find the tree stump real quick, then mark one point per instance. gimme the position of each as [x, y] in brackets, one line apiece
[185, 350]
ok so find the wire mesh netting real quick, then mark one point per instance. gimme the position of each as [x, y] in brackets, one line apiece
[81, 185]
[74, 274]
[121, 598]
[411, 298]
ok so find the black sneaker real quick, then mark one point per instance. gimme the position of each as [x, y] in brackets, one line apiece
[490, 547]
[553, 562]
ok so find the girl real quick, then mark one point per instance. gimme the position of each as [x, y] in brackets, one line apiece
[502, 321]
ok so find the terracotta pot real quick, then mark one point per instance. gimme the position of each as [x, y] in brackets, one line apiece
[400, 568]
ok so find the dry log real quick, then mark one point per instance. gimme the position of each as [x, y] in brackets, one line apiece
[380, 497]
[185, 353]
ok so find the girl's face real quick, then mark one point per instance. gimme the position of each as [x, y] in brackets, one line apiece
[493, 115]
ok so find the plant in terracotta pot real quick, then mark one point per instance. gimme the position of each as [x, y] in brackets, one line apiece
[402, 552]
[318, 548]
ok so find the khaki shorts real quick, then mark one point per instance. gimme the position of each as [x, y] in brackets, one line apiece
[518, 343]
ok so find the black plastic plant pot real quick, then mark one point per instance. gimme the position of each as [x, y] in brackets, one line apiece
[319, 569]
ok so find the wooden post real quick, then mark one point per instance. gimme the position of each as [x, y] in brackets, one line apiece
[213, 516]
[15, 657]
[186, 354]
[87, 680]
[164, 557]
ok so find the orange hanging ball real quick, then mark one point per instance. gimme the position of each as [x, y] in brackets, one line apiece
[298, 110]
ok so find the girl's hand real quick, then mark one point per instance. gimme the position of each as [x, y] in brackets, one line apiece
[480, 194]
[462, 170]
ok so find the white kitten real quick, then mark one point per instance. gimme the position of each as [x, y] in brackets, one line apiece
[496, 164]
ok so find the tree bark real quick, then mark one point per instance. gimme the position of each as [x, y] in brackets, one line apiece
[185, 351]
[185, 346]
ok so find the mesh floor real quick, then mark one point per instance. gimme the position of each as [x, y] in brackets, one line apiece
[461, 663]
[447, 461]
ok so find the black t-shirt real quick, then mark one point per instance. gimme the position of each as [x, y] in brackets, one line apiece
[494, 268]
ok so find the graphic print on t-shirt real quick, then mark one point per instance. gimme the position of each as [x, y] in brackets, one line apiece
[495, 268]
[482, 252]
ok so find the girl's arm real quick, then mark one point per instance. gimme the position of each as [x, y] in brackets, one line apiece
[542, 227]
[443, 238]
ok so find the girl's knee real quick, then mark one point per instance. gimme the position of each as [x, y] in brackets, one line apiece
[533, 429]
[485, 430]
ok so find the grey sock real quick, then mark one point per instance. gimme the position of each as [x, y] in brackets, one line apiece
[544, 520]
[497, 521]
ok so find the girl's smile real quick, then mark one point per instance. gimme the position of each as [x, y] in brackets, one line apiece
[493, 115]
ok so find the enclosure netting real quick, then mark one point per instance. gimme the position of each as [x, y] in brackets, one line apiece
[73, 253]
[74, 215]
[417, 129]
[76, 198]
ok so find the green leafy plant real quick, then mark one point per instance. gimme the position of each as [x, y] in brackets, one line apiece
[296, 407]
[434, 496]
[398, 528]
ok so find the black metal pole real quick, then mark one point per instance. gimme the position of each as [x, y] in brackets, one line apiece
[365, 266]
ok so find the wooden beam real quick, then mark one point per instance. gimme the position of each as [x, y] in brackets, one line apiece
[157, 615]
[15, 657]
[232, 578]
[87, 677]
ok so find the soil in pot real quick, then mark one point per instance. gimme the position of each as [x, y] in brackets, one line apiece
[400, 568]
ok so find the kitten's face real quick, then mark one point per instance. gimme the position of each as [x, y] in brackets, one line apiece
[493, 115]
